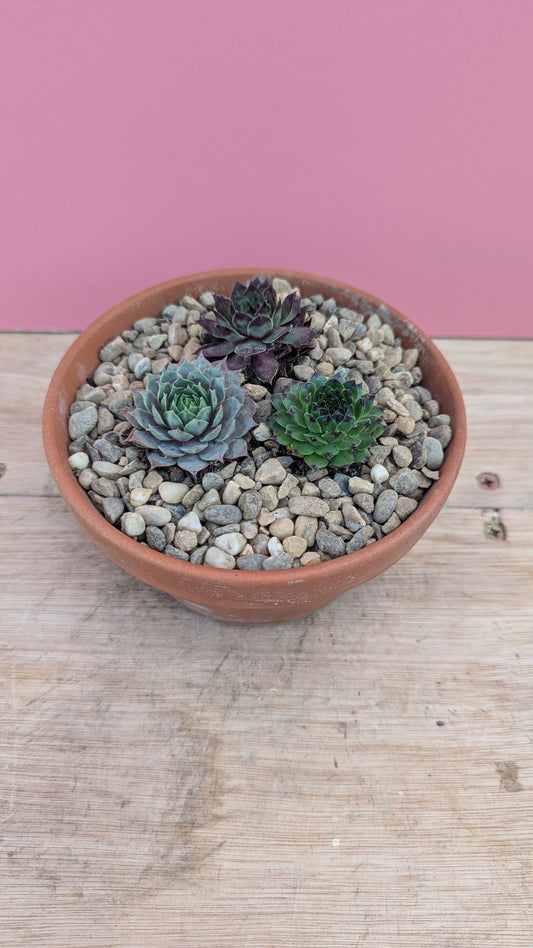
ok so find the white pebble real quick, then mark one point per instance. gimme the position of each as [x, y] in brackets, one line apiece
[132, 524]
[79, 461]
[140, 496]
[172, 493]
[190, 521]
[233, 543]
[275, 546]
[379, 474]
[231, 494]
[219, 559]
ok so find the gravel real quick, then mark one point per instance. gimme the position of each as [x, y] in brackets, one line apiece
[264, 511]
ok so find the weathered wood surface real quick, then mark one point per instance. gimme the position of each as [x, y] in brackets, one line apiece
[360, 777]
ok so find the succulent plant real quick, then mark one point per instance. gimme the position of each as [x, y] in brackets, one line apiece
[326, 421]
[194, 413]
[255, 328]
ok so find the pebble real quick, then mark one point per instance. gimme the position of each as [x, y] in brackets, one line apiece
[107, 450]
[192, 496]
[308, 506]
[186, 540]
[274, 546]
[106, 422]
[405, 482]
[244, 482]
[339, 355]
[402, 455]
[152, 480]
[156, 516]
[279, 561]
[113, 350]
[86, 478]
[306, 527]
[172, 493]
[251, 561]
[329, 543]
[249, 529]
[329, 488]
[233, 543]
[210, 499]
[250, 504]
[357, 542]
[352, 517]
[222, 514]
[177, 554]
[79, 461]
[198, 554]
[108, 469]
[289, 487]
[132, 524]
[294, 546]
[385, 506]
[379, 474]
[231, 493]
[105, 487]
[282, 528]
[218, 558]
[442, 433]
[190, 521]
[82, 422]
[155, 538]
[391, 524]
[113, 508]
[262, 432]
[435, 453]
[140, 496]
[359, 485]
[269, 497]
[212, 481]
[271, 472]
[103, 374]
[147, 323]
[405, 507]
[365, 502]
[310, 559]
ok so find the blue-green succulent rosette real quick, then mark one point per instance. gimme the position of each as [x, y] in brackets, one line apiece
[191, 416]
[326, 421]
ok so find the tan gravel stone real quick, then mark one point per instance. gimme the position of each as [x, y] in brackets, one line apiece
[282, 528]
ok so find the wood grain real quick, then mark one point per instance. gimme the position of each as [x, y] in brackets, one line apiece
[362, 776]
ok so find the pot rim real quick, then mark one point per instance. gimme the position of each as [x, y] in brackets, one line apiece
[125, 547]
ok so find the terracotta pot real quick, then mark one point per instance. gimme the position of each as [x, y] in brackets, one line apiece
[233, 595]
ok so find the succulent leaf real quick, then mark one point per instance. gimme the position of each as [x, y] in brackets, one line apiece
[192, 414]
[257, 330]
[326, 421]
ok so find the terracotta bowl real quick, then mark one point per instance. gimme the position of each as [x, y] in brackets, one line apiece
[233, 595]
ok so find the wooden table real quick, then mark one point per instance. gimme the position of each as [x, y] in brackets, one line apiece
[361, 777]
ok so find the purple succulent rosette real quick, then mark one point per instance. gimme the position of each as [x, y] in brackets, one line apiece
[193, 414]
[255, 328]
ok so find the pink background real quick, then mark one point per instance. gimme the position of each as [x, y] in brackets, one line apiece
[385, 143]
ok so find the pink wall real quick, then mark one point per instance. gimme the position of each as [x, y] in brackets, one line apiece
[385, 143]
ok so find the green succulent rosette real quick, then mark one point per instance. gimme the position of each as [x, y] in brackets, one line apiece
[192, 415]
[326, 421]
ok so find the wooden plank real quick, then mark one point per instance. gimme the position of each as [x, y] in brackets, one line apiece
[171, 778]
[496, 378]
[27, 362]
[362, 776]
